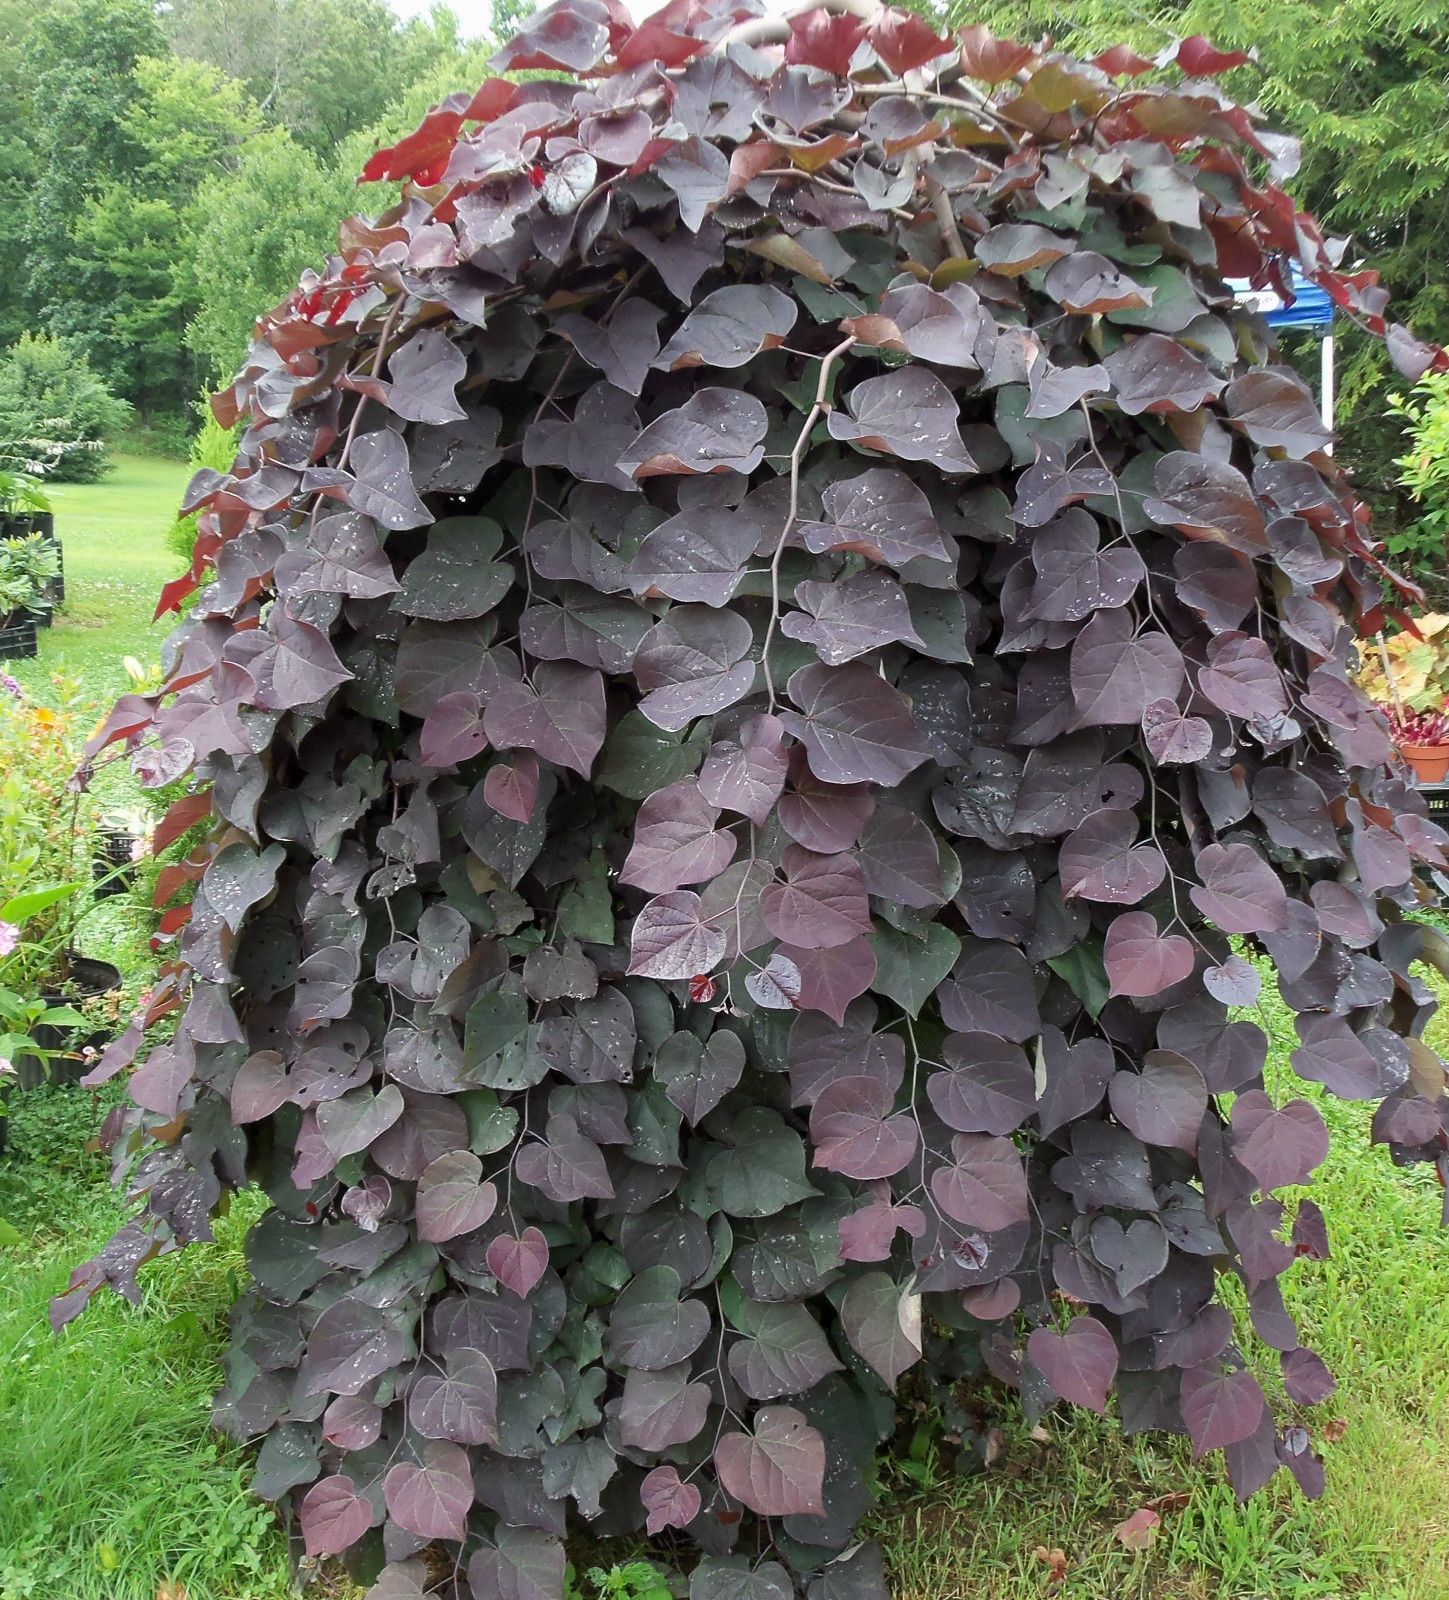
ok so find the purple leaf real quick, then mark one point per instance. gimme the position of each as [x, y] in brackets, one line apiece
[672, 940]
[1306, 1377]
[881, 515]
[453, 730]
[855, 727]
[624, 349]
[1117, 674]
[1173, 737]
[384, 487]
[854, 1133]
[1208, 499]
[1279, 1145]
[1240, 892]
[693, 663]
[1276, 409]
[850, 617]
[821, 903]
[984, 1184]
[519, 1263]
[698, 555]
[1079, 1364]
[431, 1498]
[564, 1165]
[1155, 374]
[1163, 1104]
[676, 841]
[715, 430]
[511, 787]
[668, 1501]
[424, 372]
[908, 413]
[333, 1516]
[1220, 1408]
[747, 775]
[560, 715]
[989, 1088]
[779, 1469]
[452, 1199]
[1236, 982]
[730, 327]
[1074, 576]
[1143, 961]
[777, 985]
[460, 1405]
[1101, 861]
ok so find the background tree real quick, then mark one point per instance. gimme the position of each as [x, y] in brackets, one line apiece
[319, 68]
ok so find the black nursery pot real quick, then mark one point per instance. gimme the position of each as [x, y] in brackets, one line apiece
[89, 978]
[18, 638]
[112, 866]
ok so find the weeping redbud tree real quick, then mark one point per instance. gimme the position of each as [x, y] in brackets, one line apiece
[770, 676]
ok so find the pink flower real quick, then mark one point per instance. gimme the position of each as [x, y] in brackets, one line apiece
[7, 1068]
[9, 938]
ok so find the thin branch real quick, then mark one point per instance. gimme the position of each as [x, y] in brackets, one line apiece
[818, 410]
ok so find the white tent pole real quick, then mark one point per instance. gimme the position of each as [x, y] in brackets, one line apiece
[1326, 358]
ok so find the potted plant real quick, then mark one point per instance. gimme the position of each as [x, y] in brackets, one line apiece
[1406, 674]
[120, 842]
[28, 565]
[1422, 738]
[25, 509]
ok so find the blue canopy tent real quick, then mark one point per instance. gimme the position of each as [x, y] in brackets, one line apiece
[1311, 309]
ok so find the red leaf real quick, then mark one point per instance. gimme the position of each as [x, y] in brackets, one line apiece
[185, 813]
[1200, 58]
[433, 140]
[1138, 1531]
[824, 39]
[905, 41]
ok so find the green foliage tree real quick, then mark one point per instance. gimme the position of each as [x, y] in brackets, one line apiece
[1364, 86]
[319, 68]
[132, 266]
[49, 395]
[77, 61]
[145, 152]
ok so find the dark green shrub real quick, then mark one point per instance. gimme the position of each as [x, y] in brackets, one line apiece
[55, 411]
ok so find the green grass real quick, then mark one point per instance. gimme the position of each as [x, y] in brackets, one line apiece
[111, 1480]
[116, 561]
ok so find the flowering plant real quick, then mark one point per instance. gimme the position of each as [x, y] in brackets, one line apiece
[1411, 727]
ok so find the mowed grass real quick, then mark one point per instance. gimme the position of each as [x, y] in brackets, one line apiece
[116, 560]
[112, 1483]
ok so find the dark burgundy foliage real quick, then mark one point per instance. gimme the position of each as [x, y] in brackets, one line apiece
[771, 622]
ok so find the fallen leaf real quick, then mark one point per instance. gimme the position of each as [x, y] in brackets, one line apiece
[1138, 1531]
[1165, 1504]
[1056, 1560]
[1334, 1429]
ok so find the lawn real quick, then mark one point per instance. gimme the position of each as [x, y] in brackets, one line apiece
[116, 560]
[116, 1489]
